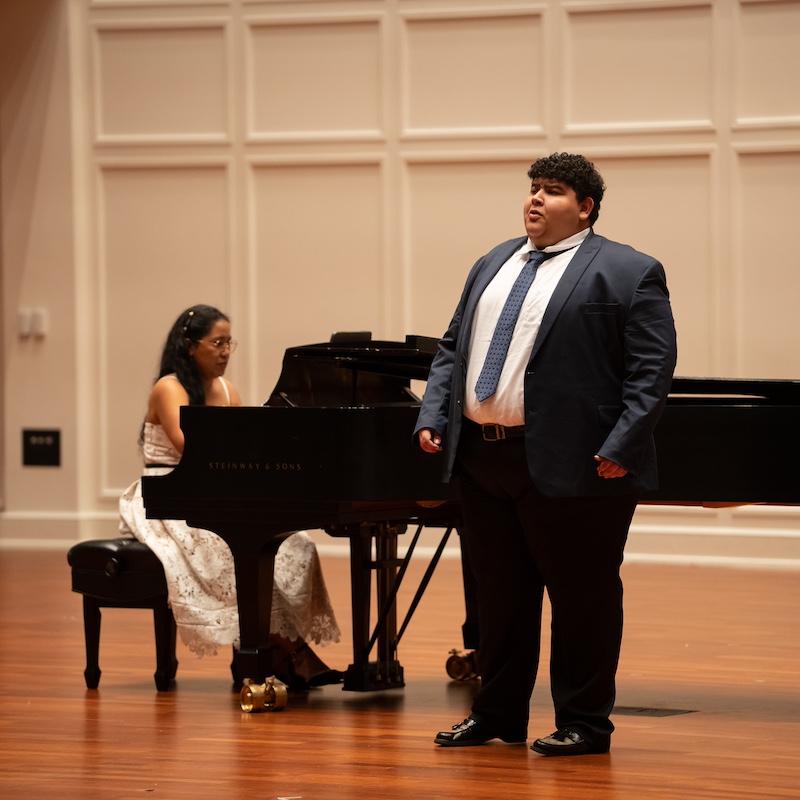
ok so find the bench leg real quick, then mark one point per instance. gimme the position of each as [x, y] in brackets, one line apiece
[91, 630]
[166, 634]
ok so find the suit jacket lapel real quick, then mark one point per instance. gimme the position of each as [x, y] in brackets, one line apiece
[484, 277]
[580, 262]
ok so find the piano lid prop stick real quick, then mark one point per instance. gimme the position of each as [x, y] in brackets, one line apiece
[390, 600]
[423, 584]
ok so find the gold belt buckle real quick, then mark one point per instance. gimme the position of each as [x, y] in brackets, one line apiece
[499, 432]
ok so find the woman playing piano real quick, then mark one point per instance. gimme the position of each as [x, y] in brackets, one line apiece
[198, 564]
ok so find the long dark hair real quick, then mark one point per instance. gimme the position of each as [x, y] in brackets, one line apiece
[176, 357]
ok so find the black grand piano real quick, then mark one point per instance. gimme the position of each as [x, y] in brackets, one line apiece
[332, 449]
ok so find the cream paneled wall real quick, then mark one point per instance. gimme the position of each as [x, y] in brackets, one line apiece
[322, 165]
[318, 78]
[765, 63]
[462, 71]
[767, 333]
[639, 67]
[141, 261]
[159, 83]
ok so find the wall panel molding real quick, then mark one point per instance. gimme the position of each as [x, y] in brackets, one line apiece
[162, 81]
[765, 51]
[446, 93]
[766, 333]
[147, 273]
[606, 51]
[152, 4]
[295, 64]
[316, 252]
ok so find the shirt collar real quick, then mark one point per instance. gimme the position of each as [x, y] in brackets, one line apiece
[564, 244]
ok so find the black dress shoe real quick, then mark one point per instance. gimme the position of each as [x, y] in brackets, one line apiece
[565, 742]
[326, 678]
[470, 732]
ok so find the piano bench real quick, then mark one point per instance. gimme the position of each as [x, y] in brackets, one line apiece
[122, 573]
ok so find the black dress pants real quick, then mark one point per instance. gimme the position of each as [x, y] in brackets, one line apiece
[521, 543]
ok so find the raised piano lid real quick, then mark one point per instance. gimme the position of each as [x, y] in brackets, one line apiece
[353, 369]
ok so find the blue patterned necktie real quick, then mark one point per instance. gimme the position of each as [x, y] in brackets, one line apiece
[501, 338]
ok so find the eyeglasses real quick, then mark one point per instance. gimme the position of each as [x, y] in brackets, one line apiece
[221, 344]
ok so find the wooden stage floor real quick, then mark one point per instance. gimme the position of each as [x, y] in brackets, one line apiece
[721, 645]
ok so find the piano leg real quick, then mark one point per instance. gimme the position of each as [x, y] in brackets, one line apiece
[254, 579]
[253, 547]
[391, 673]
[355, 678]
[386, 672]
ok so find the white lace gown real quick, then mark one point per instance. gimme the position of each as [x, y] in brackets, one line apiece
[200, 573]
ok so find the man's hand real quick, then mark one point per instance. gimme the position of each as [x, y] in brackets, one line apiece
[429, 440]
[607, 469]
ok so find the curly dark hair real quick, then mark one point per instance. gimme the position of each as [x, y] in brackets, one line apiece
[176, 357]
[576, 172]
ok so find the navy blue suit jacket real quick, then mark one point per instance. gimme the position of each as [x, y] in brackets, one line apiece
[598, 376]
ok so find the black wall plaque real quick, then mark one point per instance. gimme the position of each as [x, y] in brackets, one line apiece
[41, 448]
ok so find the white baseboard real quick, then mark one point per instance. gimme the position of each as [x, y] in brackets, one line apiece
[680, 542]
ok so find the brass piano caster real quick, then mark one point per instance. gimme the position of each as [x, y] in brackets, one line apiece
[271, 695]
[462, 666]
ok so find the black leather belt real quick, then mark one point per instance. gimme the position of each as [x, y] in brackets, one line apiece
[494, 432]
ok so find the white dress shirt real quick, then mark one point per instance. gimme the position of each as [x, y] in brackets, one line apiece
[507, 405]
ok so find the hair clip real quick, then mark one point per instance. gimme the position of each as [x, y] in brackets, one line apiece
[186, 326]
